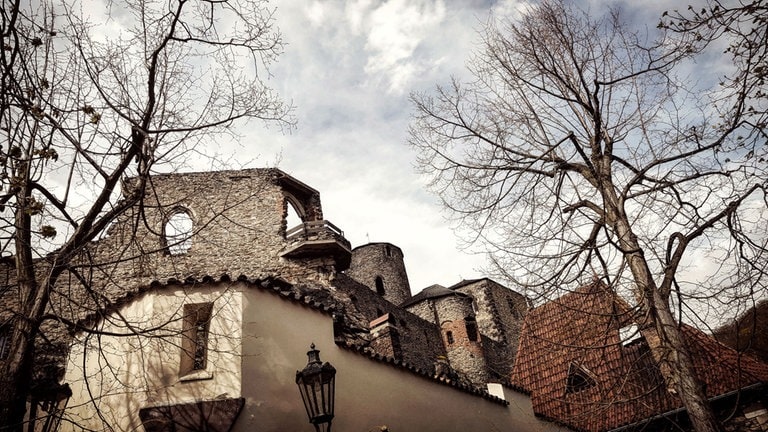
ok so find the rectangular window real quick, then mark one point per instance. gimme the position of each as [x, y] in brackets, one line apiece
[194, 343]
[512, 308]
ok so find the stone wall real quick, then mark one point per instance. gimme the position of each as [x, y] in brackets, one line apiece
[499, 311]
[419, 340]
[461, 336]
[384, 261]
[238, 228]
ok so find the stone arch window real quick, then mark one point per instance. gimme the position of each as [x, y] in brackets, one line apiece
[449, 337]
[471, 325]
[380, 286]
[293, 216]
[177, 232]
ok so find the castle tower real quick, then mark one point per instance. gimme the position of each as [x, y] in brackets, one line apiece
[380, 267]
[461, 336]
[454, 313]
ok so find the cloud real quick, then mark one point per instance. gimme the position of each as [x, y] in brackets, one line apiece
[397, 27]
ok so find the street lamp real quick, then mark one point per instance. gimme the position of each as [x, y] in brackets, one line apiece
[317, 387]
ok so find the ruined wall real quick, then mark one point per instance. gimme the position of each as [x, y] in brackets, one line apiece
[461, 336]
[237, 229]
[419, 340]
[499, 311]
[384, 261]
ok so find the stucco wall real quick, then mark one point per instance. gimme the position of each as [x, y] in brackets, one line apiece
[134, 362]
[368, 393]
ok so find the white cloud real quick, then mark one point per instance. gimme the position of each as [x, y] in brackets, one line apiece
[397, 27]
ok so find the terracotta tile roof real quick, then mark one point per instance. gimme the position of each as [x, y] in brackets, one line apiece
[611, 384]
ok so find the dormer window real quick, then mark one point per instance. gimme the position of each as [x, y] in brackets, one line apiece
[177, 233]
[579, 379]
[629, 334]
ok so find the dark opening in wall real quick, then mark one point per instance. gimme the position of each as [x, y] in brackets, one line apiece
[380, 286]
[471, 325]
[512, 308]
[388, 251]
[194, 344]
[449, 337]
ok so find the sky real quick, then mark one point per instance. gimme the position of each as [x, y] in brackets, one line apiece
[349, 67]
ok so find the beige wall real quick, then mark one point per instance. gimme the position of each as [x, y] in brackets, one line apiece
[126, 374]
[368, 393]
[115, 374]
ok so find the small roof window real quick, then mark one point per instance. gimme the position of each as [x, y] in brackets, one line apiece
[629, 333]
[579, 379]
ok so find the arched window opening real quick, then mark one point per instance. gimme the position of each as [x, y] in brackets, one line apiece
[449, 337]
[178, 233]
[292, 218]
[380, 286]
[471, 325]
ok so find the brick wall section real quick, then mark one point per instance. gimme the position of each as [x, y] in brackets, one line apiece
[383, 260]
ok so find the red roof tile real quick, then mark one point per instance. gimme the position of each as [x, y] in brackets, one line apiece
[620, 384]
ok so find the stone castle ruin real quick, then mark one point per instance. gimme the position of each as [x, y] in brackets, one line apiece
[197, 228]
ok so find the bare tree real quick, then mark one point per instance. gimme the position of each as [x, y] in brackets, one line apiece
[93, 93]
[577, 150]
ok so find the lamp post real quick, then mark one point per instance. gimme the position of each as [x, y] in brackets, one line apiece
[317, 383]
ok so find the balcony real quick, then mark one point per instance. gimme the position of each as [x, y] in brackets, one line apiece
[317, 239]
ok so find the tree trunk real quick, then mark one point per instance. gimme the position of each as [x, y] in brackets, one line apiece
[18, 377]
[676, 364]
[666, 340]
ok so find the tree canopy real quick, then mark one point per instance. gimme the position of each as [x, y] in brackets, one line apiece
[94, 93]
[584, 148]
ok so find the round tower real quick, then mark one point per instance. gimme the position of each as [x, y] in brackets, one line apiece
[461, 336]
[380, 267]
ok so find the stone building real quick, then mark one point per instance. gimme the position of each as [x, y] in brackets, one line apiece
[198, 304]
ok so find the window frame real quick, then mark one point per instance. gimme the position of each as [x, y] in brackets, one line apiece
[195, 334]
[579, 379]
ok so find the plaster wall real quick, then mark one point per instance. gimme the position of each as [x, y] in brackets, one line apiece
[115, 373]
[369, 394]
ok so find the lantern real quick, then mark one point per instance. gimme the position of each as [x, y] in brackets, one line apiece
[317, 387]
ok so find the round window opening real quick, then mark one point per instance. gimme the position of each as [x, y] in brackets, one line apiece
[178, 233]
